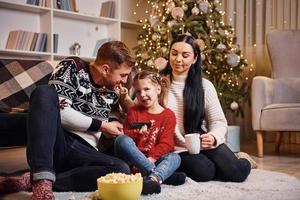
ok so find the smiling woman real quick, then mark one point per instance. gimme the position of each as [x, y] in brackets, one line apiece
[197, 109]
[181, 58]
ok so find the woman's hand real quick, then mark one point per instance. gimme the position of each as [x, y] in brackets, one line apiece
[207, 141]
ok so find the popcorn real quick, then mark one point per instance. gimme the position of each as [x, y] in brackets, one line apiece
[117, 178]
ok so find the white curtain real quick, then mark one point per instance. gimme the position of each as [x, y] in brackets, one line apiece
[252, 19]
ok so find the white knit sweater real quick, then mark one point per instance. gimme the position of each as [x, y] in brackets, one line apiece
[215, 122]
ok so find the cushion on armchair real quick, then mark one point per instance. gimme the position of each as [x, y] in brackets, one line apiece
[18, 79]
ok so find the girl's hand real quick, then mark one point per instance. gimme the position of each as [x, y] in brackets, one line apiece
[122, 91]
[143, 130]
[63, 104]
[207, 141]
[152, 160]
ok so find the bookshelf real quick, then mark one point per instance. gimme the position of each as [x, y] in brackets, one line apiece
[85, 27]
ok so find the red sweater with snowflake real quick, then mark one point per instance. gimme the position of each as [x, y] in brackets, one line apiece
[159, 138]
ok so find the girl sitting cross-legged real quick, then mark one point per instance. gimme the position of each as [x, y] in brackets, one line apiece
[149, 147]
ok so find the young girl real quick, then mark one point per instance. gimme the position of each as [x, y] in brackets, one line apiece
[150, 147]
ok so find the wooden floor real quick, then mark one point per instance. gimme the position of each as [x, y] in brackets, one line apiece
[287, 161]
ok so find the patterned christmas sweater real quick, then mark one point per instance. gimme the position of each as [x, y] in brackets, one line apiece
[87, 105]
[159, 138]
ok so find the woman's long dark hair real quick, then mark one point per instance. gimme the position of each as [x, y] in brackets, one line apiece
[193, 93]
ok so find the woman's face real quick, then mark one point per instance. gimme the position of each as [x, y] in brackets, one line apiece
[181, 58]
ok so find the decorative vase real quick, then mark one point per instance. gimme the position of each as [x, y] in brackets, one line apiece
[233, 138]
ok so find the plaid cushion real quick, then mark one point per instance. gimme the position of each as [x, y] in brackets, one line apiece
[18, 78]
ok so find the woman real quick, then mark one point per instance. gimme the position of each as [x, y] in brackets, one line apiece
[197, 109]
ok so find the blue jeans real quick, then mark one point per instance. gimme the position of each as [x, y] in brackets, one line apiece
[55, 154]
[163, 168]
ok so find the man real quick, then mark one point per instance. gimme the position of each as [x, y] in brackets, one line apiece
[66, 119]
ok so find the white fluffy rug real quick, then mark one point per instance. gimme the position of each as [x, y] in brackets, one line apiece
[260, 184]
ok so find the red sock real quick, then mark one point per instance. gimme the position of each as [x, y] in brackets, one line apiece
[42, 190]
[15, 184]
[134, 170]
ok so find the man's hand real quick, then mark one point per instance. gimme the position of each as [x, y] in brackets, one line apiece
[207, 141]
[113, 128]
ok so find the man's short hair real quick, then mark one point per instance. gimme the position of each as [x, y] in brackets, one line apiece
[114, 53]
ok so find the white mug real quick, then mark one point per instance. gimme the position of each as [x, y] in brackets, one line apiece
[192, 142]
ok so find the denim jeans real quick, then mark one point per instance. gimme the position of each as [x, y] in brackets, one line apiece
[163, 168]
[54, 154]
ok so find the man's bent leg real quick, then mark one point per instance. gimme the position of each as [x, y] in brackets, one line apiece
[46, 141]
[86, 164]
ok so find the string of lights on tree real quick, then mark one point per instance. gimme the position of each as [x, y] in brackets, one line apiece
[222, 60]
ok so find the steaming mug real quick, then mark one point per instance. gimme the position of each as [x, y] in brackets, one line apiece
[192, 142]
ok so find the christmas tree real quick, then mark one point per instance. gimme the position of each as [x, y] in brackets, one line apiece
[222, 61]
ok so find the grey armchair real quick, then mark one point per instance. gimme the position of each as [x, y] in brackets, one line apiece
[276, 100]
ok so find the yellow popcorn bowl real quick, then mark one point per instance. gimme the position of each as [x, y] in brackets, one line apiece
[120, 191]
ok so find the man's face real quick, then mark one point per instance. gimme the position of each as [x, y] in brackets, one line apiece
[117, 77]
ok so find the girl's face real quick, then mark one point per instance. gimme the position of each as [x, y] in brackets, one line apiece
[181, 58]
[147, 93]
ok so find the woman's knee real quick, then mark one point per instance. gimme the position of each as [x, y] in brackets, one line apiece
[242, 171]
[203, 174]
[198, 168]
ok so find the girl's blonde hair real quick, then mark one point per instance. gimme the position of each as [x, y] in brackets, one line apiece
[156, 79]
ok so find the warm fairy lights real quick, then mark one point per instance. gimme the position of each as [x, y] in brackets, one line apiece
[222, 59]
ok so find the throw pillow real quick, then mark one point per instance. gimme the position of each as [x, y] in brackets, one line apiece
[18, 79]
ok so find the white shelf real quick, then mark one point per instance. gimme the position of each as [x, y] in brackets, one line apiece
[83, 17]
[9, 53]
[62, 56]
[84, 27]
[23, 7]
[129, 24]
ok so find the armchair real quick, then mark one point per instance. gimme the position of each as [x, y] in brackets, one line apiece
[276, 100]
